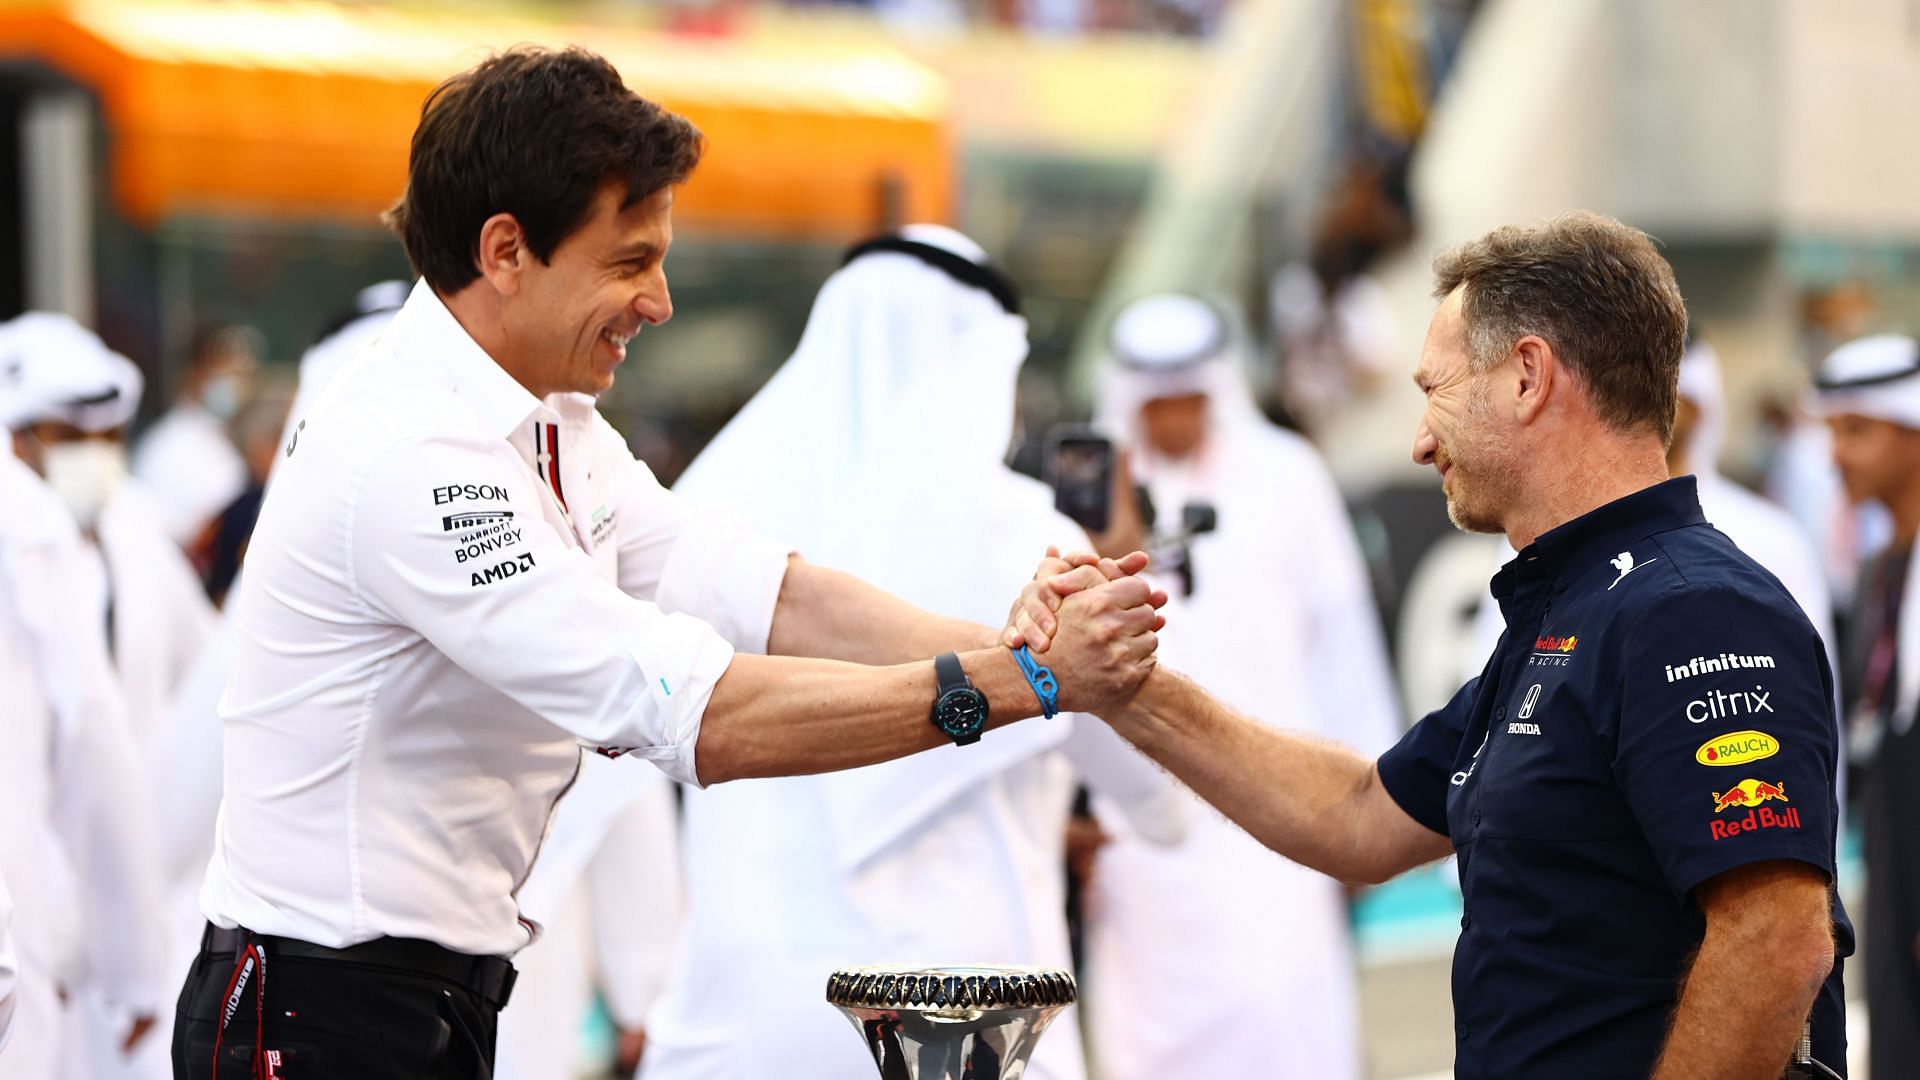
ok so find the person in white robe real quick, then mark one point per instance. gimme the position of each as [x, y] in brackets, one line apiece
[879, 448]
[72, 399]
[1217, 958]
[606, 896]
[187, 458]
[78, 851]
[1870, 395]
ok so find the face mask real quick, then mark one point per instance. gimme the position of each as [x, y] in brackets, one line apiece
[85, 474]
[221, 396]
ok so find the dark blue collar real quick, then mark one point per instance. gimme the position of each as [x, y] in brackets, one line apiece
[1602, 533]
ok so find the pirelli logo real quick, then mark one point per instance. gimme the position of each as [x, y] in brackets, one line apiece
[474, 520]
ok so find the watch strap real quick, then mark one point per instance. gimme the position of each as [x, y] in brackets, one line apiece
[947, 669]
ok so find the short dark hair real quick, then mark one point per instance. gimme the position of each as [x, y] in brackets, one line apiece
[535, 133]
[1596, 290]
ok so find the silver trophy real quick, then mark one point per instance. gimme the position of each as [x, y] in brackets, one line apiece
[951, 1023]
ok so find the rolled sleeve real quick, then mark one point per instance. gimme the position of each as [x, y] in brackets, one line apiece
[450, 541]
[1416, 770]
[1727, 741]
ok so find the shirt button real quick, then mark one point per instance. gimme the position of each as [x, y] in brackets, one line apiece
[1500, 713]
[1460, 1030]
[1476, 817]
[1466, 921]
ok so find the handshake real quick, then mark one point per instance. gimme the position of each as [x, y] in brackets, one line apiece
[1094, 622]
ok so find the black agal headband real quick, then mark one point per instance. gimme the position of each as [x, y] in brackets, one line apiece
[959, 268]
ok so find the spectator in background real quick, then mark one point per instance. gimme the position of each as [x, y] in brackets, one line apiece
[1800, 473]
[1332, 320]
[186, 458]
[1870, 394]
[1204, 958]
[74, 399]
[75, 848]
[71, 400]
[222, 545]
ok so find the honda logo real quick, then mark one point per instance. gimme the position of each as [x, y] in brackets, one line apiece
[1533, 696]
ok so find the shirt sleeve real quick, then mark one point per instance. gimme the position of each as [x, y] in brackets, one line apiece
[450, 540]
[1726, 744]
[693, 561]
[1417, 770]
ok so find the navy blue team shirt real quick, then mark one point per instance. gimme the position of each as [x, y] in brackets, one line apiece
[1658, 711]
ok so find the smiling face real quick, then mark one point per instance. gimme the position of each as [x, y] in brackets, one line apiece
[1459, 434]
[572, 316]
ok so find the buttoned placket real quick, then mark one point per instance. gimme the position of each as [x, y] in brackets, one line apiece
[542, 443]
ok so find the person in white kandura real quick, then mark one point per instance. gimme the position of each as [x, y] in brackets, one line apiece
[1203, 957]
[140, 586]
[461, 574]
[9, 966]
[77, 850]
[896, 410]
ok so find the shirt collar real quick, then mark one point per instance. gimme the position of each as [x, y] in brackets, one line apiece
[1604, 531]
[426, 328]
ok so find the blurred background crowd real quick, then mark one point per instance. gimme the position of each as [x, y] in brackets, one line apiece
[199, 182]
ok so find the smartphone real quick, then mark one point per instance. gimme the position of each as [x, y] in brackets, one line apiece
[1080, 468]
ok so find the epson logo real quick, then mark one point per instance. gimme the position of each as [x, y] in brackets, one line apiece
[1707, 665]
[476, 492]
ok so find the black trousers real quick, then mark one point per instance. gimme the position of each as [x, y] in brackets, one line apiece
[298, 1016]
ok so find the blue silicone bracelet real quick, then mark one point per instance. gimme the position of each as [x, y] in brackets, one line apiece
[1045, 686]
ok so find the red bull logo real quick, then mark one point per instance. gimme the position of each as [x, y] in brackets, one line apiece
[1555, 644]
[1749, 793]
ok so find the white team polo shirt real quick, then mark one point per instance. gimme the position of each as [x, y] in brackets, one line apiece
[453, 586]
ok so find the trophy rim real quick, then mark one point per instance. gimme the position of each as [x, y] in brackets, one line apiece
[954, 986]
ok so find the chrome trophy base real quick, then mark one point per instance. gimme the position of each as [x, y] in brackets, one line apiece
[951, 1023]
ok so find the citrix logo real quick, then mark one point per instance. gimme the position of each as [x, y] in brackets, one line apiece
[1720, 704]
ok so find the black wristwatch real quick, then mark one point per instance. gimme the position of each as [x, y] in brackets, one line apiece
[959, 710]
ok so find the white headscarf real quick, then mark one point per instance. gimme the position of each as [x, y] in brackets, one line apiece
[52, 368]
[1173, 345]
[1876, 376]
[879, 448]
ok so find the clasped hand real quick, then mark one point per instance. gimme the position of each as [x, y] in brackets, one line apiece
[1094, 621]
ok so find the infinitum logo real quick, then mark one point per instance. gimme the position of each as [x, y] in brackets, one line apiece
[1706, 665]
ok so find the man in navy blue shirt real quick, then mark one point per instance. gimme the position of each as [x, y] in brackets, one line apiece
[1640, 784]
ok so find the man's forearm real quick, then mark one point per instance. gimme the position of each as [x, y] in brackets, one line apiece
[1312, 800]
[1709, 1041]
[788, 716]
[832, 615]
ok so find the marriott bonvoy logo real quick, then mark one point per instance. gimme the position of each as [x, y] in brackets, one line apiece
[1705, 665]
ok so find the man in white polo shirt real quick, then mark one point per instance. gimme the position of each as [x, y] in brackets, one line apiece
[461, 574]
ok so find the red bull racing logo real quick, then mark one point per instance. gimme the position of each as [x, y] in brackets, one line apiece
[1749, 794]
[1552, 651]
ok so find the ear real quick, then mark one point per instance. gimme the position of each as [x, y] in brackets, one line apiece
[1537, 367]
[504, 254]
